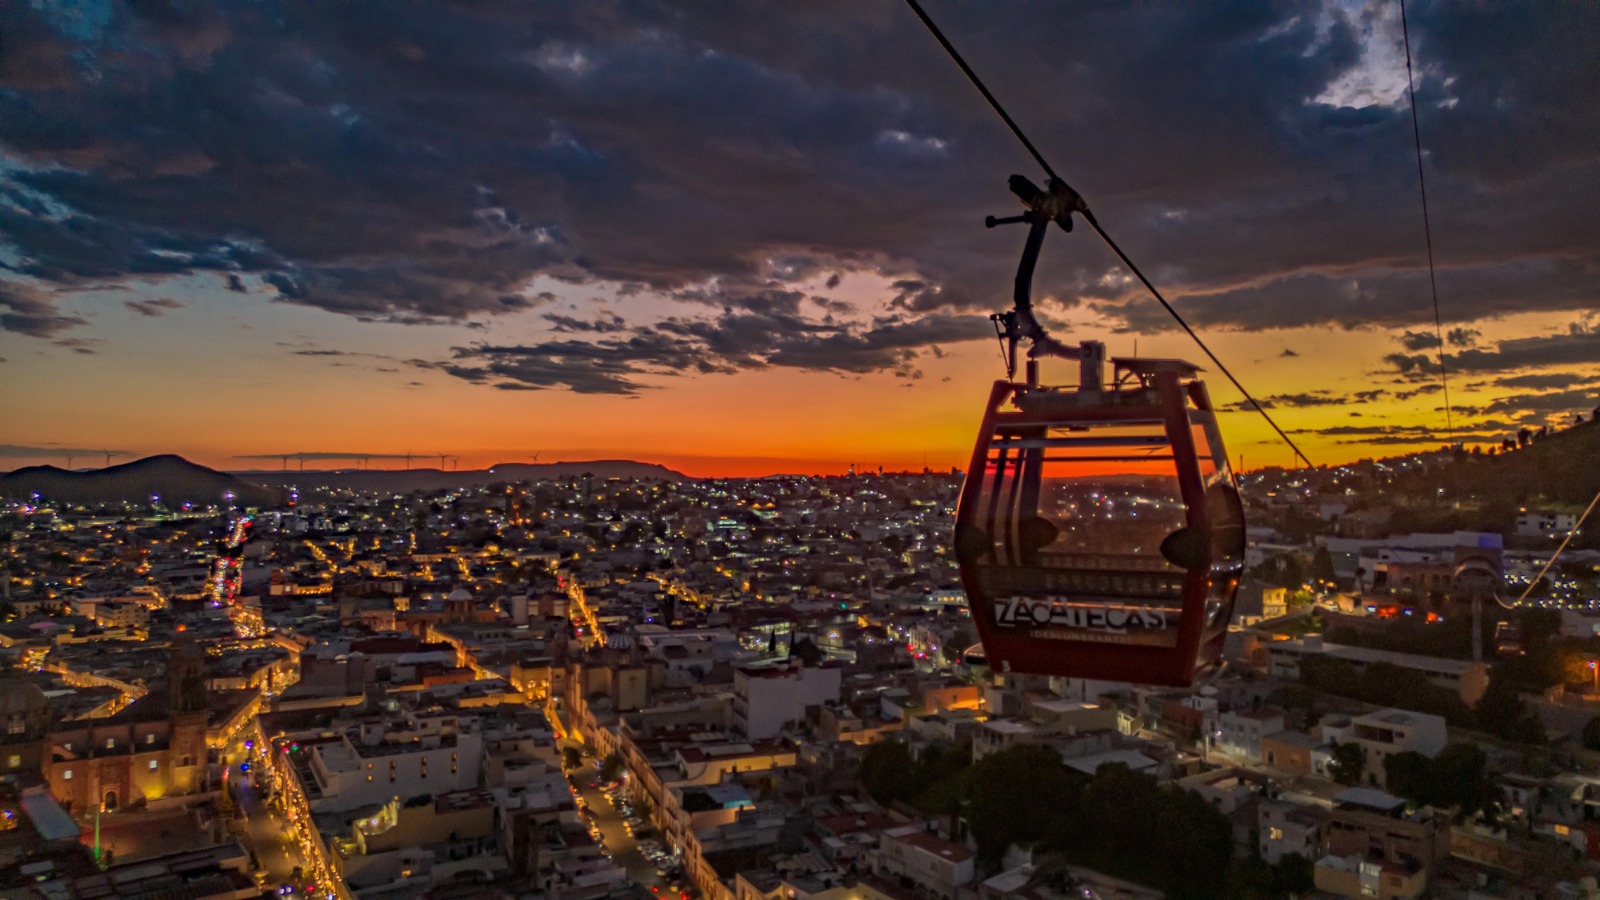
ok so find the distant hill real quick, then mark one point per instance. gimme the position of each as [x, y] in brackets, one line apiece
[172, 478]
[406, 480]
[1562, 467]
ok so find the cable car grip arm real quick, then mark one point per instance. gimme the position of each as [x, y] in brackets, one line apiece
[1055, 205]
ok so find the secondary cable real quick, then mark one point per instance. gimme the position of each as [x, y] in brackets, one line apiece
[1089, 217]
[1427, 229]
[1557, 555]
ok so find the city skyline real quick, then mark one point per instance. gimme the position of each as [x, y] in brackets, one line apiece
[751, 243]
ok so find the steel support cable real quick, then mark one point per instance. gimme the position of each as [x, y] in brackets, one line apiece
[1557, 555]
[1089, 217]
[1427, 228]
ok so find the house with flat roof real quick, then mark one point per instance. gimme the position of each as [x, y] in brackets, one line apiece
[1468, 679]
[1389, 731]
[930, 862]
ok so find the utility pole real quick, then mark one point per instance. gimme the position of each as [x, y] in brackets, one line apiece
[1476, 579]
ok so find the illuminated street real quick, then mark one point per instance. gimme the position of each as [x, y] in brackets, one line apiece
[619, 843]
[269, 836]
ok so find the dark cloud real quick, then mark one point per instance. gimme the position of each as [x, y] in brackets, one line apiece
[1576, 400]
[78, 345]
[1419, 390]
[1419, 340]
[1463, 337]
[1578, 345]
[427, 162]
[1540, 381]
[156, 307]
[27, 310]
[309, 455]
[1300, 400]
[604, 323]
[752, 333]
[34, 452]
[1413, 434]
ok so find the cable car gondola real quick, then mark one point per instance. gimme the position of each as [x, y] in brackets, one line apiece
[1099, 532]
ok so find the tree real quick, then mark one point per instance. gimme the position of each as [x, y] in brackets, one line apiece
[1591, 734]
[1012, 796]
[957, 644]
[1348, 762]
[1250, 878]
[807, 651]
[571, 758]
[1293, 875]
[1322, 565]
[1502, 713]
[611, 767]
[1410, 775]
[1290, 574]
[887, 772]
[1460, 780]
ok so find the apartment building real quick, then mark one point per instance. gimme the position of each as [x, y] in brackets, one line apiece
[938, 867]
[379, 760]
[1469, 680]
[1376, 848]
[1286, 828]
[765, 700]
[1389, 731]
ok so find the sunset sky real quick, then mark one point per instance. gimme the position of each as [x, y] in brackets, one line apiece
[742, 238]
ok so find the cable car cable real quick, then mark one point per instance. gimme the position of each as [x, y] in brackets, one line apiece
[1089, 217]
[1564, 542]
[1427, 229]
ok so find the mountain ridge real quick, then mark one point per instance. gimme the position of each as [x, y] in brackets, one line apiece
[168, 476]
[404, 480]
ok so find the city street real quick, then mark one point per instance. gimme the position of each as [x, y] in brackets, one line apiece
[268, 834]
[621, 845]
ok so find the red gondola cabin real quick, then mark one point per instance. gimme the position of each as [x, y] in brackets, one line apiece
[1100, 532]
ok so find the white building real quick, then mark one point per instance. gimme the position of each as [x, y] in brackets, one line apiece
[1532, 523]
[934, 864]
[1238, 733]
[1286, 828]
[764, 700]
[378, 761]
[1389, 731]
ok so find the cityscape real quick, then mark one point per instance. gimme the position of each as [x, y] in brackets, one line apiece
[583, 686]
[539, 451]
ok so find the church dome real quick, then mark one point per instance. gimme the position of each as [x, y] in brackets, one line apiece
[21, 697]
[24, 711]
[460, 594]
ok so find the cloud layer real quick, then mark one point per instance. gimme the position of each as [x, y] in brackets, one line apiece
[428, 162]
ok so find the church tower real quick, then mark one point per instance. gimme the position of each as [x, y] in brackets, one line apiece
[189, 707]
[186, 677]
